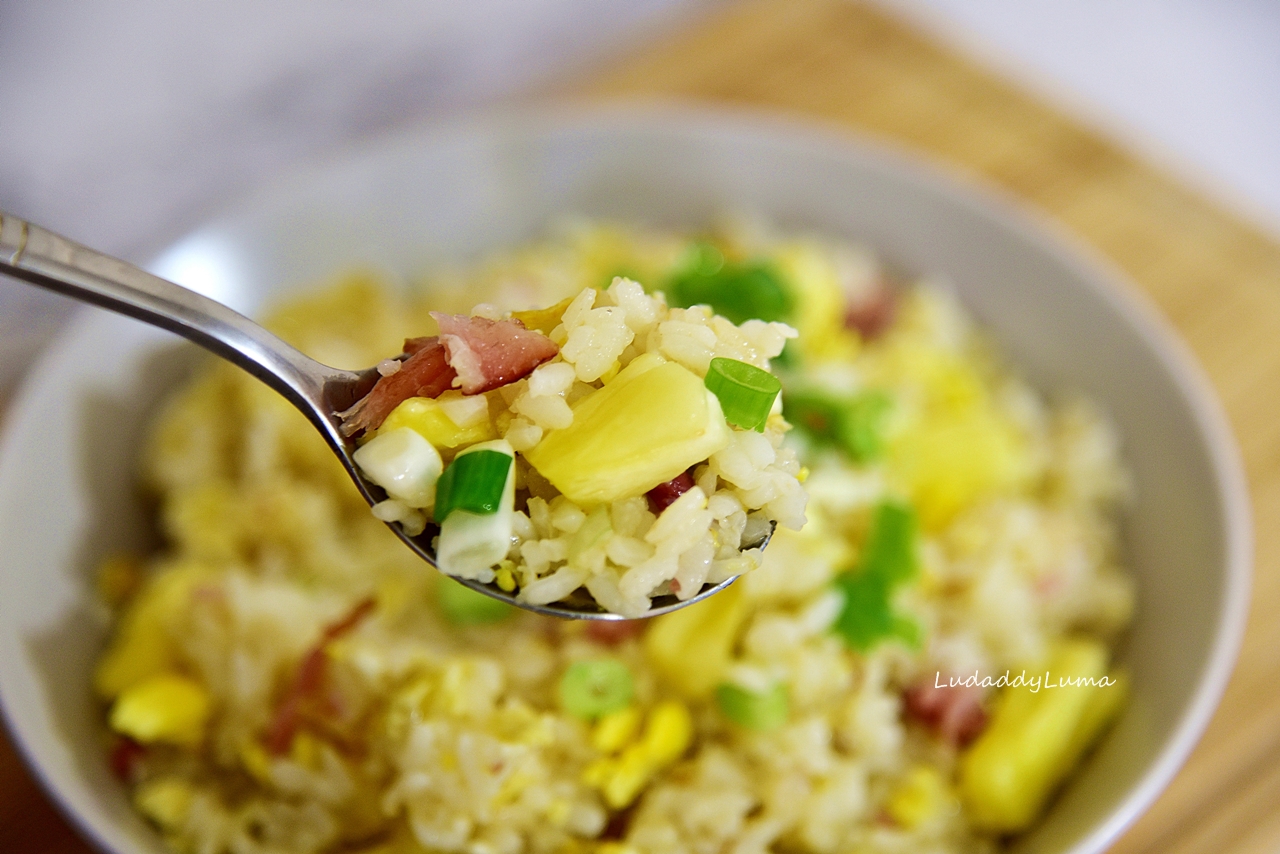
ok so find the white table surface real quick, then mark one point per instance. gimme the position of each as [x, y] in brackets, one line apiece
[122, 120]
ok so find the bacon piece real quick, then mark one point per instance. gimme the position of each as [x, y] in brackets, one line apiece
[126, 758]
[613, 632]
[954, 714]
[491, 353]
[871, 315]
[478, 353]
[308, 679]
[426, 373]
[664, 495]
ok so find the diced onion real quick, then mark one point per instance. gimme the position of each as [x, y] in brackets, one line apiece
[464, 410]
[403, 463]
[746, 393]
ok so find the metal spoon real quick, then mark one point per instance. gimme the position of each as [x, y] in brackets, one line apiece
[39, 256]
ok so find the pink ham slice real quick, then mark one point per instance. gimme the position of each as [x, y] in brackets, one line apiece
[474, 353]
[872, 314]
[491, 353]
[426, 373]
[308, 679]
[664, 495]
[954, 714]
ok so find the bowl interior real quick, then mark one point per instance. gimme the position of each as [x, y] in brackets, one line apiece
[66, 465]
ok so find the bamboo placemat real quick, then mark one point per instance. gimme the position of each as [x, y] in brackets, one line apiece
[1215, 277]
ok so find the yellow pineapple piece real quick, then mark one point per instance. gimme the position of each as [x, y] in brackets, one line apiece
[649, 424]
[1036, 737]
[691, 647]
[955, 445]
[141, 647]
[820, 300]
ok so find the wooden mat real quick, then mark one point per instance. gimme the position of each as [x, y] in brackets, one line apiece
[1213, 275]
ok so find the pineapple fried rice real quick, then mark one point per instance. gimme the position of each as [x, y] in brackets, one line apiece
[284, 676]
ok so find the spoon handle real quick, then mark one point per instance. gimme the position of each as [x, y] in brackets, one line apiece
[39, 256]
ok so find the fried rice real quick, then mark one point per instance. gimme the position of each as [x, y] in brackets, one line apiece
[285, 676]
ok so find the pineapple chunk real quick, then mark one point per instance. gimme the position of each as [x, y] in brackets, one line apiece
[692, 647]
[949, 463]
[811, 271]
[167, 708]
[446, 422]
[142, 647]
[649, 424]
[957, 445]
[1036, 737]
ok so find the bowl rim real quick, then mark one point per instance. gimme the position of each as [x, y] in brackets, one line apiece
[796, 131]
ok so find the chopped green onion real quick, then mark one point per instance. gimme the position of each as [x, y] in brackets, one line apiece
[463, 606]
[475, 530]
[704, 259]
[472, 482]
[867, 616]
[746, 393]
[740, 292]
[754, 710]
[891, 548]
[854, 424]
[590, 689]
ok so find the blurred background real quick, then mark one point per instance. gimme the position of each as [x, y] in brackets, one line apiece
[121, 122]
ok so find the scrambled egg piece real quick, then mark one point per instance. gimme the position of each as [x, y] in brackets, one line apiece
[167, 708]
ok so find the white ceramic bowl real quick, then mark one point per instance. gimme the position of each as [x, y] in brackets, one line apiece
[67, 493]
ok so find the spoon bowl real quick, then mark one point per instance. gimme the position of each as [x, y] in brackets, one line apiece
[41, 257]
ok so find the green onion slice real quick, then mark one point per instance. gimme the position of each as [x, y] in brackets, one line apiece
[891, 548]
[764, 710]
[740, 292]
[463, 606]
[888, 560]
[854, 424]
[590, 689]
[472, 482]
[746, 393]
